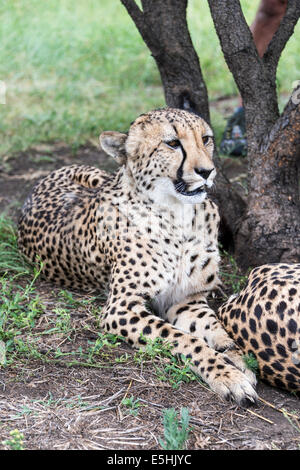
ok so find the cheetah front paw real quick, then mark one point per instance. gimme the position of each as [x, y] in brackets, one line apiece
[230, 382]
[235, 385]
[234, 356]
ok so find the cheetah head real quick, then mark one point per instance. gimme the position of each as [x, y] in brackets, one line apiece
[168, 152]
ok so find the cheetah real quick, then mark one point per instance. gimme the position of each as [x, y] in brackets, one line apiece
[264, 319]
[149, 235]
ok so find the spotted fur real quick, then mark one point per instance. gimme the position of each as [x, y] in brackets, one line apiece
[264, 320]
[149, 235]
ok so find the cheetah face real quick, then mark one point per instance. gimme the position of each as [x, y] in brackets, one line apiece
[168, 152]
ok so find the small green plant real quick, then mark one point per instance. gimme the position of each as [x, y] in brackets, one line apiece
[19, 309]
[251, 362]
[62, 320]
[132, 405]
[176, 430]
[123, 358]
[233, 279]
[71, 302]
[104, 341]
[16, 441]
[176, 372]
[168, 368]
[11, 260]
[153, 349]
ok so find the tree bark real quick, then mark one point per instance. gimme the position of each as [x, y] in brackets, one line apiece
[270, 228]
[163, 26]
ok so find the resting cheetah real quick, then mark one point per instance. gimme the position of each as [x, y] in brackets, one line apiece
[149, 233]
[264, 319]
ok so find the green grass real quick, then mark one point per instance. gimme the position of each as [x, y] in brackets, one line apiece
[11, 260]
[19, 309]
[251, 362]
[73, 69]
[16, 441]
[167, 367]
[131, 405]
[231, 274]
[176, 430]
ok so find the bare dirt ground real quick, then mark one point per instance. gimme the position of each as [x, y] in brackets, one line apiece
[58, 404]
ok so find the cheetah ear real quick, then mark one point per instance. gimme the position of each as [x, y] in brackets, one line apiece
[113, 143]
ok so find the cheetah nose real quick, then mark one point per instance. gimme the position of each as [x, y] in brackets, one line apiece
[203, 172]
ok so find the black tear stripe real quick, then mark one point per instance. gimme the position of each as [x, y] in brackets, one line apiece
[180, 184]
[153, 152]
[180, 169]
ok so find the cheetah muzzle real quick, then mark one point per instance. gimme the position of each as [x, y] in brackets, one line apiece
[146, 232]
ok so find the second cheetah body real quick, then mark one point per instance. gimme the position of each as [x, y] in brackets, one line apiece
[264, 320]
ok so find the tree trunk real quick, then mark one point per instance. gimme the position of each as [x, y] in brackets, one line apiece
[270, 228]
[163, 26]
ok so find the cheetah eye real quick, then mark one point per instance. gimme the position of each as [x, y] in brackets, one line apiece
[174, 144]
[206, 139]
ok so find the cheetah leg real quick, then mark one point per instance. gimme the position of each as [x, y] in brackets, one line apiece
[128, 317]
[194, 316]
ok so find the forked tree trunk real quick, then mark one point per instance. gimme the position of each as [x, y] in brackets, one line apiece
[270, 228]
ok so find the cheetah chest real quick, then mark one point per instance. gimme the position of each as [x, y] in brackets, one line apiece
[190, 264]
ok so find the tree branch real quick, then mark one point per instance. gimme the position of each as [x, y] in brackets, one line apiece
[163, 26]
[138, 17]
[134, 11]
[282, 35]
[237, 44]
[288, 124]
[254, 79]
